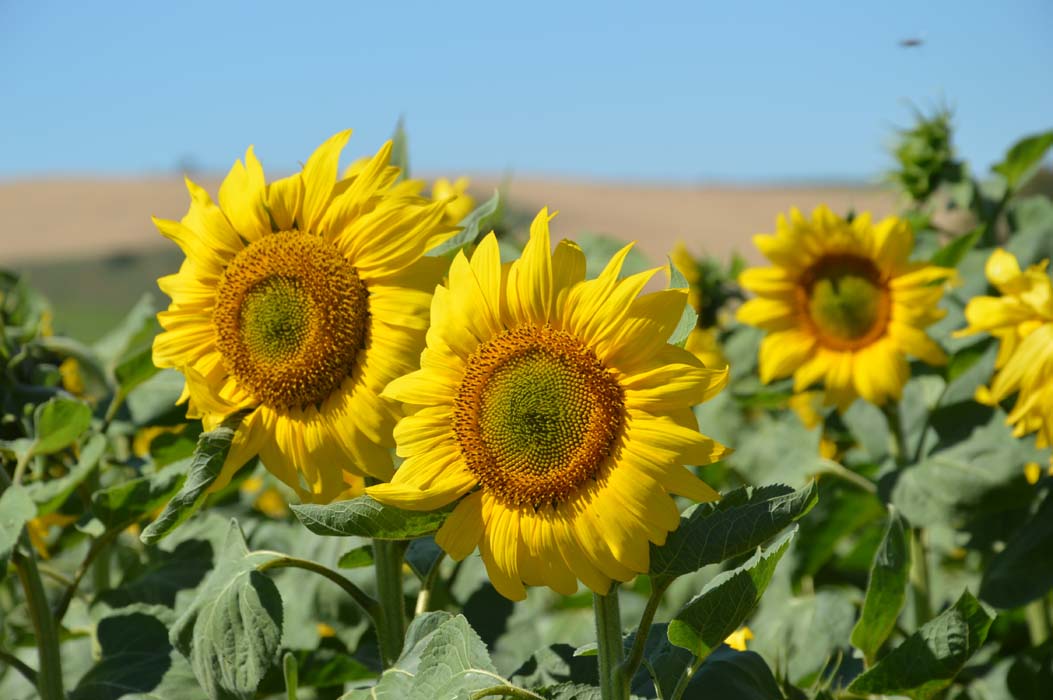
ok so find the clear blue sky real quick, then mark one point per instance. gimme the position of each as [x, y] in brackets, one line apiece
[687, 91]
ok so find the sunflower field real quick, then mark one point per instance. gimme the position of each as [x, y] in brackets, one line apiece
[377, 444]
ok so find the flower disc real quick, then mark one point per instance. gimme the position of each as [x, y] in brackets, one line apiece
[536, 415]
[291, 315]
[846, 300]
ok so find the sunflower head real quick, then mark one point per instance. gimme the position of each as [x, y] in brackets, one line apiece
[843, 305]
[1022, 320]
[552, 410]
[298, 301]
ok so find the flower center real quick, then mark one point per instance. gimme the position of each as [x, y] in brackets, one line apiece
[536, 416]
[847, 301]
[291, 315]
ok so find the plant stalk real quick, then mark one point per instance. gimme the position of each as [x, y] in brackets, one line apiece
[366, 603]
[632, 662]
[1039, 622]
[49, 678]
[391, 618]
[895, 426]
[919, 578]
[613, 683]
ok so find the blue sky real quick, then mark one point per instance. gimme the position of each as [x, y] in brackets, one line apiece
[684, 91]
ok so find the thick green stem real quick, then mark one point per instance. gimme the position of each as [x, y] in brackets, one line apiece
[49, 678]
[391, 620]
[685, 680]
[919, 578]
[632, 662]
[613, 683]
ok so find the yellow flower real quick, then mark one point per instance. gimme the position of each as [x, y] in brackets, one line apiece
[459, 203]
[299, 300]
[843, 305]
[72, 380]
[703, 344]
[38, 529]
[554, 411]
[1022, 320]
[737, 639]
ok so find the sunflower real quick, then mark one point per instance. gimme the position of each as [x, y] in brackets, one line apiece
[459, 203]
[553, 411]
[843, 304]
[1022, 320]
[298, 301]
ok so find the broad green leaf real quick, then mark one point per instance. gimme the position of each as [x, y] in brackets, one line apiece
[135, 656]
[1023, 571]
[952, 253]
[688, 319]
[400, 149]
[967, 369]
[154, 401]
[366, 517]
[443, 658]
[127, 501]
[741, 521]
[205, 467]
[16, 509]
[555, 665]
[59, 422]
[842, 512]
[776, 449]
[231, 633]
[726, 601]
[135, 369]
[928, 660]
[357, 558]
[134, 333]
[50, 495]
[726, 673]
[165, 574]
[869, 428]
[89, 367]
[1023, 158]
[886, 590]
[476, 224]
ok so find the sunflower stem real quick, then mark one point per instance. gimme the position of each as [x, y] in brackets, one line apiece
[919, 578]
[613, 683]
[49, 678]
[391, 618]
[632, 662]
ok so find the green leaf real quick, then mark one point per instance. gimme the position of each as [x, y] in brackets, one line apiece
[688, 319]
[357, 558]
[50, 495]
[205, 467]
[135, 369]
[886, 590]
[122, 504]
[231, 632]
[16, 509]
[1023, 571]
[928, 660]
[1023, 158]
[366, 517]
[136, 654]
[727, 600]
[165, 574]
[422, 554]
[741, 521]
[742, 675]
[134, 333]
[400, 149]
[443, 658]
[478, 223]
[96, 382]
[59, 422]
[952, 253]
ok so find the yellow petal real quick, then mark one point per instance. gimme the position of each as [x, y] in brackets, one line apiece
[460, 534]
[241, 196]
[319, 179]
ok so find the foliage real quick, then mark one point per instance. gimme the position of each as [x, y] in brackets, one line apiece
[899, 552]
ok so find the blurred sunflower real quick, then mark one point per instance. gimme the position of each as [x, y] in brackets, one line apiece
[1022, 320]
[459, 203]
[843, 305]
[298, 301]
[554, 411]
